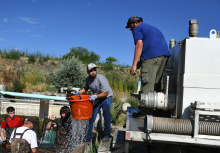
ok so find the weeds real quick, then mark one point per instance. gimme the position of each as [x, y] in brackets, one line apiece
[14, 80]
[121, 82]
[94, 147]
[133, 101]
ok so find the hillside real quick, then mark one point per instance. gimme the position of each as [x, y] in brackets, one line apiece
[31, 77]
[22, 62]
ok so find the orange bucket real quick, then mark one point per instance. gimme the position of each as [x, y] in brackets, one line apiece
[81, 108]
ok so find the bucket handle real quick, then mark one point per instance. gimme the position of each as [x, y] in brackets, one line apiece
[69, 98]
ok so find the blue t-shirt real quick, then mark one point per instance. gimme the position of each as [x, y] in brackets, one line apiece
[154, 43]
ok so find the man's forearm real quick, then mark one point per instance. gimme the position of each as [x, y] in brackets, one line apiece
[2, 134]
[34, 150]
[102, 94]
[48, 127]
[82, 90]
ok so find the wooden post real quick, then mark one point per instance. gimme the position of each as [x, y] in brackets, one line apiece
[44, 109]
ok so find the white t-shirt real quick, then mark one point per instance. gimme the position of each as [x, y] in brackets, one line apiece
[29, 135]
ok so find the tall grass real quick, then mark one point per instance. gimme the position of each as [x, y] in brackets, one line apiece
[24, 80]
[14, 79]
[122, 82]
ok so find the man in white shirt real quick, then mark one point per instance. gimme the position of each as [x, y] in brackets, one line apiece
[23, 139]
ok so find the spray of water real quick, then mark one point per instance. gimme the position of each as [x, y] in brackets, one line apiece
[76, 135]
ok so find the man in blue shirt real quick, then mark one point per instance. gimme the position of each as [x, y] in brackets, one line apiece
[152, 50]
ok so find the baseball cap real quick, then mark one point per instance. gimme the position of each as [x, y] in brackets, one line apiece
[30, 119]
[132, 20]
[91, 66]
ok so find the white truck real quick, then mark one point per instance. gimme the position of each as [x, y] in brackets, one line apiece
[190, 103]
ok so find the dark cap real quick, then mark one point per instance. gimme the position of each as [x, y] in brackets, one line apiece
[30, 119]
[132, 20]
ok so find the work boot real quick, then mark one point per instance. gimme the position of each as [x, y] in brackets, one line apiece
[106, 139]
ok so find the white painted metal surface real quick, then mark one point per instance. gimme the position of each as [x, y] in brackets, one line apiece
[30, 109]
[194, 72]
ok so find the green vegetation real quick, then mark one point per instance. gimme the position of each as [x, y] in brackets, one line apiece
[132, 100]
[69, 74]
[94, 147]
[111, 59]
[12, 54]
[31, 59]
[47, 74]
[14, 80]
[53, 63]
[83, 55]
[107, 66]
[121, 82]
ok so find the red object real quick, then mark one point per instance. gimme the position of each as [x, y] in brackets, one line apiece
[15, 122]
[81, 108]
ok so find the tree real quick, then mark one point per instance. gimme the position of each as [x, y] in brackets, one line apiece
[69, 74]
[83, 55]
[111, 59]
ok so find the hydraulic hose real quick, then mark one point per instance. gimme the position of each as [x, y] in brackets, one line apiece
[179, 126]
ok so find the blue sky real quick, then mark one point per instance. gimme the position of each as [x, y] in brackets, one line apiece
[54, 26]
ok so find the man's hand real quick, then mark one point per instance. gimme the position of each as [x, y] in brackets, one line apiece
[78, 93]
[133, 70]
[93, 97]
[53, 117]
[4, 143]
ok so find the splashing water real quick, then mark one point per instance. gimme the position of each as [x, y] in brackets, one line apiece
[76, 135]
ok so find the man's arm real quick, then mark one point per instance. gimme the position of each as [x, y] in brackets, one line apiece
[137, 55]
[34, 150]
[83, 90]
[102, 94]
[49, 124]
[2, 134]
[48, 127]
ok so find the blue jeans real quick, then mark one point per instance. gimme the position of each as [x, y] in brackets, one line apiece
[105, 104]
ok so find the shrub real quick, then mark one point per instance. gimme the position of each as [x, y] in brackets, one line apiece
[13, 55]
[34, 76]
[133, 101]
[51, 88]
[14, 80]
[46, 58]
[31, 59]
[41, 61]
[107, 66]
[53, 63]
[69, 74]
